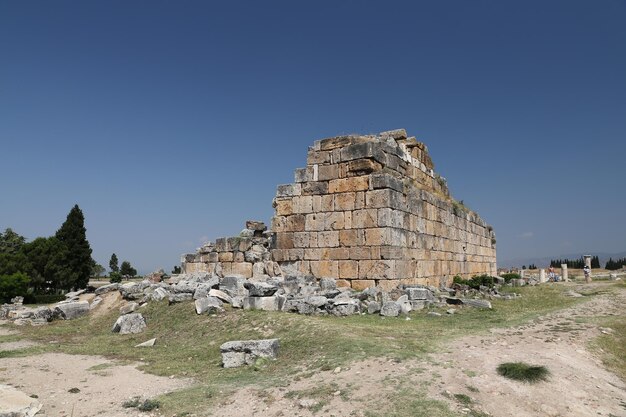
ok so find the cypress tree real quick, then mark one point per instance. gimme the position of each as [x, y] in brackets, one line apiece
[77, 257]
[113, 266]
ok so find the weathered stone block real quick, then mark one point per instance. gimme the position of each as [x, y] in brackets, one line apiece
[246, 352]
[348, 269]
[344, 185]
[289, 190]
[362, 284]
[130, 323]
[272, 303]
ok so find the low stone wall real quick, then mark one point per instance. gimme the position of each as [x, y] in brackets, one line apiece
[247, 255]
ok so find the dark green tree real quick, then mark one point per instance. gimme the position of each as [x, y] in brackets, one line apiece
[176, 270]
[45, 266]
[12, 285]
[113, 264]
[77, 255]
[127, 270]
[11, 242]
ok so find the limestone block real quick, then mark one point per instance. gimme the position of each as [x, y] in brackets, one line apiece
[209, 305]
[226, 256]
[376, 269]
[71, 310]
[345, 201]
[283, 206]
[333, 220]
[381, 180]
[362, 167]
[318, 157]
[348, 269]
[351, 237]
[343, 185]
[362, 284]
[385, 198]
[359, 202]
[294, 223]
[271, 303]
[300, 240]
[360, 252]
[328, 239]
[363, 150]
[303, 174]
[246, 352]
[288, 190]
[130, 324]
[286, 240]
[365, 218]
[343, 141]
[302, 204]
[315, 188]
[322, 203]
[325, 268]
[334, 253]
[328, 172]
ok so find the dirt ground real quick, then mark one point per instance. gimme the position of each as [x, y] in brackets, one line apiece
[578, 385]
[465, 368]
[102, 384]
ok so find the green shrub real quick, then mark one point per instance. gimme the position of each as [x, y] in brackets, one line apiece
[476, 281]
[13, 285]
[521, 371]
[43, 298]
[115, 277]
[511, 275]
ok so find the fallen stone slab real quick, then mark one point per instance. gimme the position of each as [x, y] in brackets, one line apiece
[476, 303]
[209, 305]
[246, 352]
[180, 297]
[147, 343]
[129, 308]
[107, 288]
[71, 310]
[260, 289]
[234, 286]
[159, 294]
[14, 403]
[419, 293]
[130, 323]
[272, 303]
[390, 309]
[221, 295]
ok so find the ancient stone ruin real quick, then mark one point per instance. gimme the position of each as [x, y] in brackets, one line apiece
[368, 210]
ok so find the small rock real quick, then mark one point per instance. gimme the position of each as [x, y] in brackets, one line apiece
[147, 343]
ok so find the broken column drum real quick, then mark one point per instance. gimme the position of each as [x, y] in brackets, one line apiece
[370, 210]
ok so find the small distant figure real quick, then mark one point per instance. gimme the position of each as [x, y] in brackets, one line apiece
[587, 272]
[551, 274]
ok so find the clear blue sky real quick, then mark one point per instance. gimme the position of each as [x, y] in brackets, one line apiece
[173, 122]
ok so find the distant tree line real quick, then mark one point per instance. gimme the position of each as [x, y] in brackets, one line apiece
[575, 264]
[47, 265]
[531, 266]
[118, 272]
[612, 265]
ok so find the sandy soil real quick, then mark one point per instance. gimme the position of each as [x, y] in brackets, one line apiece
[578, 385]
[103, 385]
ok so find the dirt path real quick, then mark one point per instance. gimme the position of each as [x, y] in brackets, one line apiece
[466, 370]
[463, 375]
[102, 384]
[578, 385]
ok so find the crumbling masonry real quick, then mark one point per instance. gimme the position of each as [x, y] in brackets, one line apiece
[368, 211]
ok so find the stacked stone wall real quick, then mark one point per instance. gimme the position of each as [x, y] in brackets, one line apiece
[247, 255]
[370, 210]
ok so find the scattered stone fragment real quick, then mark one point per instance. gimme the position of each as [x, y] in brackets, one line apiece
[209, 305]
[147, 343]
[476, 303]
[390, 309]
[130, 323]
[71, 310]
[246, 352]
[128, 308]
[14, 403]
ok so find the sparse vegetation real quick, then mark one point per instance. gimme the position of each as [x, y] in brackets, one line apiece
[145, 405]
[189, 344]
[521, 371]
